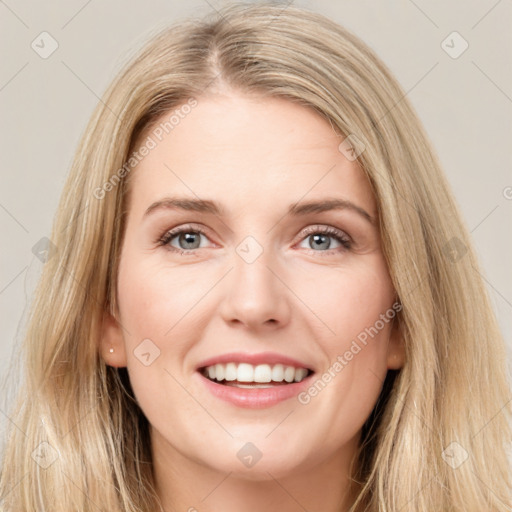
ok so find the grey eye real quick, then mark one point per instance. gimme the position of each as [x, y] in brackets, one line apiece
[321, 241]
[188, 240]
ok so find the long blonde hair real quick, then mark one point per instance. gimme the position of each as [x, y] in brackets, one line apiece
[450, 401]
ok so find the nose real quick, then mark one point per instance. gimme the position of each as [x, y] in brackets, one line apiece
[256, 295]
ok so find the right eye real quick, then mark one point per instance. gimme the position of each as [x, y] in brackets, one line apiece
[188, 239]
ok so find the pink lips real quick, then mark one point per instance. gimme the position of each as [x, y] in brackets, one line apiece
[270, 358]
[257, 398]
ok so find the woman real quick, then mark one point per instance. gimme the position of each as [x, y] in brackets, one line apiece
[262, 295]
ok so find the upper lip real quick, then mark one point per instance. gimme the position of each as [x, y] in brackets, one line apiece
[269, 358]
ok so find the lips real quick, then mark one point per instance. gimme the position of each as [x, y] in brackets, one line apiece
[242, 372]
[252, 395]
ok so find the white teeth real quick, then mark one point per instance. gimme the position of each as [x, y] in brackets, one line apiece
[278, 373]
[219, 372]
[300, 373]
[262, 373]
[231, 372]
[245, 373]
[289, 373]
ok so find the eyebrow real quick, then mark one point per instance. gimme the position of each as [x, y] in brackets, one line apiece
[296, 209]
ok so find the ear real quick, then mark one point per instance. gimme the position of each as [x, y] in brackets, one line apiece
[112, 348]
[396, 347]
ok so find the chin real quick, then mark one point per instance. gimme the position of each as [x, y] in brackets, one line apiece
[248, 463]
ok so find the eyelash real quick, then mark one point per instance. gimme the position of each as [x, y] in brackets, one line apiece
[339, 236]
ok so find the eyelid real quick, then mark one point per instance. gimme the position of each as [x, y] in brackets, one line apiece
[344, 239]
[325, 228]
[188, 226]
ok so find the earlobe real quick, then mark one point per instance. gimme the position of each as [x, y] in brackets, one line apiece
[112, 347]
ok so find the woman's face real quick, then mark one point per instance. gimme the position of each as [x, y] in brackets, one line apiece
[264, 276]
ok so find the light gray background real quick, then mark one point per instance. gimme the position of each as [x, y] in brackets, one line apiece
[465, 104]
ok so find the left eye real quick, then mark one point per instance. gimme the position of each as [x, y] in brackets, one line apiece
[321, 239]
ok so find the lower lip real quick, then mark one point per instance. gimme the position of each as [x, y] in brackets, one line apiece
[257, 398]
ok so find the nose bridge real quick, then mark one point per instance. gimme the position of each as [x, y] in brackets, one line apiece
[255, 293]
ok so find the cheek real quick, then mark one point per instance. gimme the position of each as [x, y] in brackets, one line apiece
[153, 305]
[351, 301]
[154, 300]
[168, 306]
[344, 393]
[356, 307]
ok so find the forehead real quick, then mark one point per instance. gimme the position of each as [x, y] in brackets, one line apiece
[244, 149]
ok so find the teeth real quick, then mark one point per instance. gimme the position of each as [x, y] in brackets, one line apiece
[262, 373]
[300, 374]
[278, 373]
[231, 372]
[245, 373]
[289, 373]
[219, 371]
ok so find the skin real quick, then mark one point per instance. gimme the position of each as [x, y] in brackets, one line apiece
[256, 157]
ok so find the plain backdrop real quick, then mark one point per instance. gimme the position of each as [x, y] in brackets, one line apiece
[464, 99]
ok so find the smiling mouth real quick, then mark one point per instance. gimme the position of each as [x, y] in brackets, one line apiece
[247, 376]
